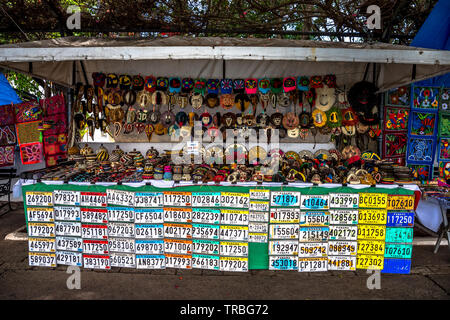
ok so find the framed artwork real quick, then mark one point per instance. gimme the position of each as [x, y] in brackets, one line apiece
[398, 96]
[394, 145]
[396, 118]
[420, 150]
[444, 123]
[445, 99]
[444, 149]
[425, 98]
[422, 123]
[422, 172]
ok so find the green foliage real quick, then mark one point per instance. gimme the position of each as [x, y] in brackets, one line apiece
[24, 85]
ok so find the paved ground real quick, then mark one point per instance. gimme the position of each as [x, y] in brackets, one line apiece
[429, 279]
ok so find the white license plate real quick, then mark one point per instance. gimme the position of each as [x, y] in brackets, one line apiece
[95, 246]
[94, 231]
[314, 202]
[234, 233]
[125, 245]
[283, 263]
[349, 233]
[342, 248]
[205, 231]
[314, 218]
[121, 230]
[93, 261]
[149, 231]
[312, 249]
[211, 216]
[120, 214]
[234, 249]
[206, 199]
[120, 197]
[173, 230]
[259, 194]
[67, 213]
[37, 259]
[69, 244]
[91, 215]
[344, 263]
[122, 260]
[178, 261]
[35, 214]
[150, 262]
[258, 227]
[308, 234]
[93, 199]
[312, 264]
[344, 200]
[285, 198]
[39, 199]
[177, 199]
[283, 247]
[349, 217]
[207, 262]
[68, 258]
[258, 237]
[233, 264]
[148, 199]
[235, 200]
[183, 215]
[234, 217]
[150, 247]
[205, 246]
[284, 231]
[256, 205]
[149, 215]
[36, 229]
[71, 229]
[178, 246]
[41, 245]
[284, 215]
[258, 216]
[67, 197]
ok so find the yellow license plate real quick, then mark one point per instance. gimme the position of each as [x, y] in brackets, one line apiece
[400, 202]
[373, 200]
[372, 216]
[371, 232]
[370, 247]
[366, 261]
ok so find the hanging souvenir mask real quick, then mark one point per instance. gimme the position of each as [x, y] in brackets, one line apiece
[362, 128]
[293, 133]
[99, 79]
[325, 98]
[349, 117]
[200, 86]
[182, 100]
[154, 117]
[239, 119]
[251, 86]
[142, 115]
[342, 99]
[217, 119]
[349, 152]
[192, 118]
[228, 120]
[124, 82]
[129, 97]
[315, 82]
[144, 98]
[238, 86]
[138, 83]
[290, 121]
[187, 84]
[242, 102]
[319, 118]
[167, 119]
[159, 98]
[181, 118]
[196, 100]
[212, 85]
[162, 84]
[334, 117]
[348, 130]
[212, 100]
[150, 84]
[174, 85]
[160, 129]
[289, 84]
[284, 100]
[226, 86]
[263, 120]
[227, 101]
[330, 80]
[264, 85]
[303, 83]
[206, 119]
[249, 120]
[276, 119]
[370, 117]
[276, 85]
[362, 97]
[325, 130]
[112, 80]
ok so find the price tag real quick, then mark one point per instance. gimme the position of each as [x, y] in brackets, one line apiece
[234, 217]
[400, 219]
[399, 235]
[397, 250]
[149, 231]
[178, 246]
[95, 246]
[120, 214]
[400, 202]
[370, 247]
[285, 198]
[177, 199]
[234, 233]
[205, 246]
[92, 215]
[285, 215]
[371, 232]
[206, 199]
[37, 259]
[233, 264]
[120, 197]
[148, 199]
[211, 216]
[67, 197]
[256, 205]
[41, 245]
[397, 266]
[344, 200]
[314, 218]
[206, 262]
[349, 233]
[178, 261]
[312, 249]
[93, 261]
[258, 216]
[283, 247]
[372, 216]
[93, 199]
[313, 234]
[69, 244]
[342, 263]
[67, 213]
[69, 258]
[36, 229]
[373, 200]
[342, 248]
[312, 264]
[235, 200]
[149, 215]
[258, 237]
[284, 231]
[175, 230]
[234, 249]
[125, 245]
[40, 199]
[259, 227]
[178, 215]
[192, 147]
[150, 262]
[373, 262]
[205, 231]
[283, 263]
[123, 260]
[150, 247]
[71, 229]
[259, 194]
[316, 202]
[94, 231]
[35, 214]
[349, 217]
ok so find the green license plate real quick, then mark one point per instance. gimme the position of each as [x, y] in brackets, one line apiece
[395, 250]
[399, 235]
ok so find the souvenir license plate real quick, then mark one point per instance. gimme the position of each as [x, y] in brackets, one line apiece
[71, 229]
[284, 231]
[314, 218]
[308, 234]
[400, 202]
[398, 266]
[120, 214]
[36, 229]
[205, 231]
[395, 250]
[172, 230]
[177, 215]
[399, 235]
[344, 217]
[41, 199]
[285, 215]
[233, 264]
[178, 261]
[149, 231]
[205, 246]
[148, 215]
[342, 263]
[37, 259]
[372, 216]
[211, 216]
[234, 233]
[371, 232]
[121, 230]
[93, 199]
[41, 245]
[259, 194]
[283, 247]
[67, 213]
[373, 200]
[68, 258]
[69, 244]
[35, 214]
[207, 262]
[95, 246]
[259, 227]
[148, 199]
[150, 262]
[150, 247]
[312, 264]
[122, 260]
[259, 205]
[374, 262]
[344, 200]
[234, 217]
[125, 245]
[258, 237]
[370, 247]
[206, 199]
[93, 261]
[178, 246]
[285, 198]
[91, 215]
[120, 197]
[235, 200]
[234, 249]
[177, 199]
[319, 202]
[312, 249]
[67, 197]
[342, 248]
[343, 233]
[94, 231]
[283, 263]
[258, 216]
[400, 219]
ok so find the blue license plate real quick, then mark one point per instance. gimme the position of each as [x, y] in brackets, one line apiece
[400, 219]
[399, 266]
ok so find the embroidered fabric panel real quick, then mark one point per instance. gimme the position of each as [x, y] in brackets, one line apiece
[6, 156]
[27, 111]
[7, 135]
[444, 149]
[422, 172]
[398, 96]
[7, 115]
[394, 145]
[445, 99]
[396, 118]
[422, 123]
[420, 150]
[28, 132]
[31, 152]
[425, 98]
